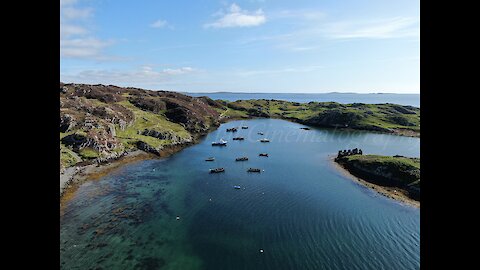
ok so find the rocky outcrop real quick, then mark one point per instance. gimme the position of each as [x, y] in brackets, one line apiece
[67, 122]
[167, 135]
[385, 171]
[147, 148]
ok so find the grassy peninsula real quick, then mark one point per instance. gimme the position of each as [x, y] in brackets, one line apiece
[388, 118]
[398, 174]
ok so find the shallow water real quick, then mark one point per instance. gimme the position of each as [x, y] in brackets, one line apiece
[300, 210]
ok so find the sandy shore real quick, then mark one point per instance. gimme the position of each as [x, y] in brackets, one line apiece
[390, 192]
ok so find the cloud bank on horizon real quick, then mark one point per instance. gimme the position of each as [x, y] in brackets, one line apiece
[243, 46]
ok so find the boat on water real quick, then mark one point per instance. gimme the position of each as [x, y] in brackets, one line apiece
[237, 187]
[260, 133]
[220, 143]
[265, 140]
[217, 170]
[238, 138]
[241, 159]
[305, 128]
[244, 127]
[232, 129]
[210, 159]
[253, 170]
[263, 155]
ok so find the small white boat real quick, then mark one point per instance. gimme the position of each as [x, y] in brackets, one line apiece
[220, 143]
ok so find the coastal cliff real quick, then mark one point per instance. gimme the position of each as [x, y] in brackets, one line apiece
[402, 173]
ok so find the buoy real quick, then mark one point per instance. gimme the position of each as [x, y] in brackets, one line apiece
[261, 250]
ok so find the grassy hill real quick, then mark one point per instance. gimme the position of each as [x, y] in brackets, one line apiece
[390, 118]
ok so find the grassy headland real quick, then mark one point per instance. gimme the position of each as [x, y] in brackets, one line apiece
[389, 118]
[402, 174]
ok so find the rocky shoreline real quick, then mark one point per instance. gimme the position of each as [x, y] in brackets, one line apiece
[396, 193]
[72, 177]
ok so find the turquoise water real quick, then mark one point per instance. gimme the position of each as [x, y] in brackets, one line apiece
[301, 211]
[402, 99]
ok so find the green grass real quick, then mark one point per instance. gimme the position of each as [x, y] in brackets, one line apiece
[406, 162]
[147, 120]
[403, 169]
[371, 115]
[88, 153]
[67, 157]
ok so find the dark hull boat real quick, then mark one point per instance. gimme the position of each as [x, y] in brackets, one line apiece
[238, 139]
[220, 143]
[241, 159]
[305, 128]
[254, 170]
[263, 155]
[231, 129]
[264, 140]
[217, 170]
[244, 127]
[260, 133]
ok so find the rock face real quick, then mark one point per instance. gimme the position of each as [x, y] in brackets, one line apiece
[167, 135]
[147, 148]
[67, 122]
[396, 171]
[108, 119]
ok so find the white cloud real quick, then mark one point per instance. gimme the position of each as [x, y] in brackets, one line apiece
[76, 40]
[88, 47]
[315, 35]
[376, 29]
[145, 75]
[159, 24]
[236, 17]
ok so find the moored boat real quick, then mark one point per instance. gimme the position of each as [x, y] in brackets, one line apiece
[220, 143]
[237, 187]
[217, 170]
[253, 170]
[264, 140]
[241, 159]
[260, 133]
[263, 154]
[232, 129]
[238, 138]
[244, 127]
[210, 159]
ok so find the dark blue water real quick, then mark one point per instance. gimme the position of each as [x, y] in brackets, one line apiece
[402, 99]
[300, 210]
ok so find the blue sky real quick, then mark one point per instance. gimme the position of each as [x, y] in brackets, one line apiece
[308, 46]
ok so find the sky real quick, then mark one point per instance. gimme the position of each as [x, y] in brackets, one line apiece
[269, 46]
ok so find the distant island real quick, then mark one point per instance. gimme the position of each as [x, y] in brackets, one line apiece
[103, 123]
[397, 176]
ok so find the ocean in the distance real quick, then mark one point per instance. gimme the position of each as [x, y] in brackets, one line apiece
[402, 99]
